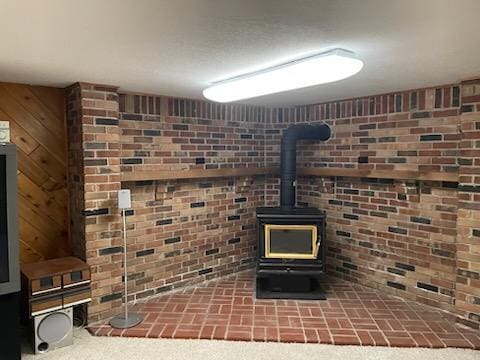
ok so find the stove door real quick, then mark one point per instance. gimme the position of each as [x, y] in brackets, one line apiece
[291, 241]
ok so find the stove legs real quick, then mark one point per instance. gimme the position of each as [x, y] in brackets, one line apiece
[289, 287]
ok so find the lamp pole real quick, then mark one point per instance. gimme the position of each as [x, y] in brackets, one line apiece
[125, 321]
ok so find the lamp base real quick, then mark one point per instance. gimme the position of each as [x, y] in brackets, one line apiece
[119, 322]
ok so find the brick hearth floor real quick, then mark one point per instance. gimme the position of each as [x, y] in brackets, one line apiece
[226, 309]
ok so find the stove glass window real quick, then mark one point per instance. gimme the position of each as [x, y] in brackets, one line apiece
[291, 241]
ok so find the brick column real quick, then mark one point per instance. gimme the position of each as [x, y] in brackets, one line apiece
[467, 302]
[94, 178]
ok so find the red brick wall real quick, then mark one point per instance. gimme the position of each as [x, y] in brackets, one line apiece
[189, 231]
[183, 232]
[189, 134]
[180, 232]
[76, 176]
[94, 178]
[414, 130]
[398, 235]
[468, 240]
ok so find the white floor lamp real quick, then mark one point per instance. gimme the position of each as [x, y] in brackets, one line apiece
[125, 320]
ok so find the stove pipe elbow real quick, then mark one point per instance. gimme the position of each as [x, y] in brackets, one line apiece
[288, 157]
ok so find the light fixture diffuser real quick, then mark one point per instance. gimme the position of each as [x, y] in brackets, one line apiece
[316, 69]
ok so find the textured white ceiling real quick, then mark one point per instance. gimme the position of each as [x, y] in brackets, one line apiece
[176, 47]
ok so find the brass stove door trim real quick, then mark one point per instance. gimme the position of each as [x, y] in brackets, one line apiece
[315, 244]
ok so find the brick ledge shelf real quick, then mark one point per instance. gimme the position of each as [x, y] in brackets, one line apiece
[195, 173]
[228, 172]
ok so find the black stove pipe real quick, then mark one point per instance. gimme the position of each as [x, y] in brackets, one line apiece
[288, 157]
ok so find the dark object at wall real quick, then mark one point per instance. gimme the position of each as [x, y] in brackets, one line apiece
[288, 157]
[291, 241]
[10, 327]
[9, 260]
[291, 252]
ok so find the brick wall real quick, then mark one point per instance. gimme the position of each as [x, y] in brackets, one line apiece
[468, 240]
[75, 169]
[189, 134]
[94, 178]
[189, 231]
[400, 236]
[183, 232]
[416, 239]
[180, 232]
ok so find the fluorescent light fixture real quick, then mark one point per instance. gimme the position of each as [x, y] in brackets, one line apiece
[333, 65]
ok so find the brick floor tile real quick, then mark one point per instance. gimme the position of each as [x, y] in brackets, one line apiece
[235, 319]
[116, 332]
[474, 339]
[365, 338]
[238, 335]
[272, 334]
[433, 339]
[292, 337]
[151, 317]
[333, 323]
[212, 319]
[133, 332]
[459, 343]
[314, 323]
[395, 325]
[365, 327]
[378, 338]
[187, 334]
[406, 341]
[324, 336]
[345, 324]
[346, 340]
[295, 322]
[271, 311]
[207, 332]
[311, 335]
[168, 331]
[349, 332]
[383, 324]
[421, 340]
[219, 332]
[259, 333]
[400, 334]
[155, 331]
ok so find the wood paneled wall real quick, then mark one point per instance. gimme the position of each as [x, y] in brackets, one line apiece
[37, 123]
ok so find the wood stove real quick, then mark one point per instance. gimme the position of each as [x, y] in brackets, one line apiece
[291, 243]
[290, 253]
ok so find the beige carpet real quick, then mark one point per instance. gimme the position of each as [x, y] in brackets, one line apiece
[106, 348]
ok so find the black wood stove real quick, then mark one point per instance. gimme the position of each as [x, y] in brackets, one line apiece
[291, 243]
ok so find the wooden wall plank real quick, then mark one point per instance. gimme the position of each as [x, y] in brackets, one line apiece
[53, 98]
[18, 135]
[44, 202]
[40, 221]
[54, 144]
[42, 113]
[31, 169]
[37, 122]
[37, 241]
[27, 254]
[51, 165]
